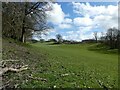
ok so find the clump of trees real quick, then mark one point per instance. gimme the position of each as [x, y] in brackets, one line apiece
[59, 38]
[112, 38]
[20, 20]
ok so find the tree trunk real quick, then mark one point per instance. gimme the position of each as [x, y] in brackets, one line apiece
[23, 32]
[96, 39]
[22, 39]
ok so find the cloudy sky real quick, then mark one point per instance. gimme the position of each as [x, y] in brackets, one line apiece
[78, 21]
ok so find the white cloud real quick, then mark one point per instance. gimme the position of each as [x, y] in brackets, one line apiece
[79, 34]
[63, 26]
[66, 23]
[105, 22]
[99, 16]
[68, 20]
[56, 15]
[85, 29]
[82, 21]
[73, 35]
[70, 32]
[87, 9]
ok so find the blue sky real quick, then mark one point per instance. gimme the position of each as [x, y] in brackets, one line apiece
[78, 20]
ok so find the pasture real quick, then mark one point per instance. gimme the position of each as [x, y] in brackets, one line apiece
[75, 66]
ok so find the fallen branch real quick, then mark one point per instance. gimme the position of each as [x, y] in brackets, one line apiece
[6, 69]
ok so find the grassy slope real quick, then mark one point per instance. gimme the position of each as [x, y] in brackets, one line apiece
[76, 66]
[60, 65]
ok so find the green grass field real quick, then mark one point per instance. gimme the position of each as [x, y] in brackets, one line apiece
[75, 66]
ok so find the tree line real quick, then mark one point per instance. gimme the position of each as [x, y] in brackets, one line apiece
[111, 38]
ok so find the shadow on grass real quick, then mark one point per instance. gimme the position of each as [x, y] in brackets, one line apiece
[101, 48]
[53, 43]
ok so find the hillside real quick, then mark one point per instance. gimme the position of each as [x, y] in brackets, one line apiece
[16, 55]
[59, 65]
[74, 65]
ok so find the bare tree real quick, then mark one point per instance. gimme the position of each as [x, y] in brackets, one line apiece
[95, 36]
